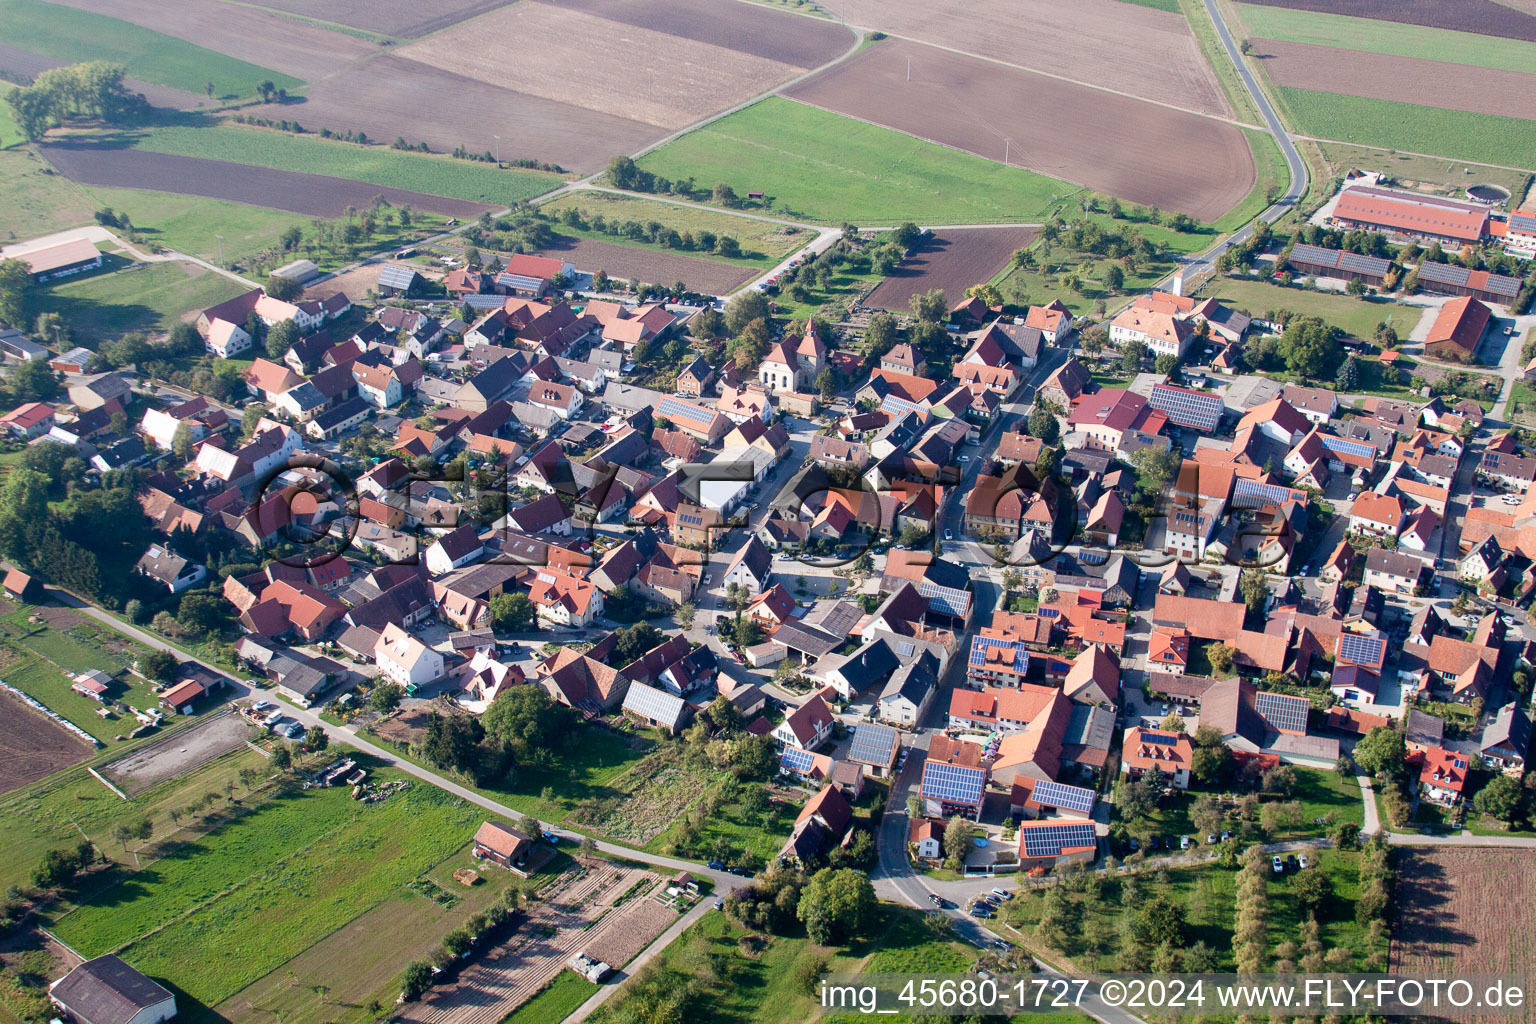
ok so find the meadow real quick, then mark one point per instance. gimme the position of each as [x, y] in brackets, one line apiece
[1487, 138]
[555, 1001]
[763, 243]
[74, 35]
[266, 886]
[419, 172]
[1388, 37]
[1426, 173]
[1357, 317]
[149, 297]
[831, 169]
[35, 201]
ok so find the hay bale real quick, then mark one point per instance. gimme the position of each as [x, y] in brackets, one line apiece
[467, 877]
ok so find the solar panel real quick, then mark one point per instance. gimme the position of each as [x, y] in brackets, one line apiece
[1050, 840]
[1356, 649]
[1067, 798]
[981, 644]
[953, 783]
[649, 702]
[1445, 273]
[797, 760]
[396, 277]
[672, 409]
[945, 599]
[1373, 265]
[1251, 493]
[873, 744]
[1282, 711]
[1315, 255]
[1356, 448]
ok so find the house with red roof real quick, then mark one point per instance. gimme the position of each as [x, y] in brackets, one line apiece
[28, 421]
[1442, 774]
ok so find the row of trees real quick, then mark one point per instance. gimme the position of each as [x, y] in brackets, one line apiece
[92, 90]
[654, 232]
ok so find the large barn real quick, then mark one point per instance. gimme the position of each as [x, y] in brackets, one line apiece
[1411, 215]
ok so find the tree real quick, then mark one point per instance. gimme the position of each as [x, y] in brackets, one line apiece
[957, 838]
[1312, 888]
[1159, 920]
[513, 612]
[930, 306]
[1309, 346]
[1173, 722]
[1043, 423]
[1281, 780]
[1132, 353]
[826, 384]
[1114, 278]
[1154, 469]
[725, 195]
[386, 697]
[1348, 377]
[32, 381]
[1220, 656]
[526, 717]
[685, 614]
[280, 338]
[1500, 798]
[1382, 751]
[159, 666]
[1211, 764]
[1285, 816]
[880, 334]
[317, 739]
[743, 308]
[1167, 364]
[1137, 798]
[750, 346]
[417, 979]
[1253, 585]
[836, 905]
[281, 759]
[1206, 814]
[283, 287]
[201, 612]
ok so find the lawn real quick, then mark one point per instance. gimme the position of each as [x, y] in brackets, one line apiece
[831, 302]
[554, 1002]
[149, 297]
[1389, 37]
[9, 133]
[1522, 404]
[1325, 794]
[763, 244]
[1424, 172]
[34, 201]
[268, 885]
[1273, 175]
[828, 168]
[1357, 317]
[1488, 138]
[74, 35]
[1022, 286]
[418, 172]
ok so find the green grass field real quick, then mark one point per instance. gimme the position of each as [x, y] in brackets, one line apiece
[1488, 138]
[264, 887]
[1273, 174]
[9, 133]
[147, 297]
[554, 1002]
[34, 201]
[74, 35]
[418, 172]
[763, 244]
[1171, 6]
[37, 658]
[823, 167]
[1358, 317]
[1390, 37]
[1423, 173]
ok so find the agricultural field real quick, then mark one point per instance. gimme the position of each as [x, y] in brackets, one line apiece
[149, 297]
[68, 34]
[268, 885]
[400, 18]
[1454, 911]
[1421, 173]
[763, 243]
[802, 42]
[696, 79]
[950, 261]
[1484, 17]
[1434, 83]
[445, 176]
[1156, 54]
[556, 1001]
[300, 51]
[314, 195]
[1387, 37]
[33, 747]
[820, 166]
[1111, 143]
[651, 265]
[23, 63]
[1357, 317]
[1273, 176]
[1487, 138]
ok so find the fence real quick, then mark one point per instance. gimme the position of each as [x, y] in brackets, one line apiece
[39, 706]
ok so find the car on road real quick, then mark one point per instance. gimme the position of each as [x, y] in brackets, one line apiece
[716, 865]
[551, 839]
[935, 899]
[1278, 865]
[965, 458]
[290, 730]
[273, 718]
[739, 657]
[739, 870]
[706, 579]
[1353, 495]
[949, 535]
[1002, 945]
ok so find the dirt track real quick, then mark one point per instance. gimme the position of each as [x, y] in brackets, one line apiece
[1136, 150]
[694, 80]
[391, 96]
[1485, 17]
[951, 261]
[713, 277]
[1121, 46]
[316, 195]
[1432, 83]
[304, 51]
[32, 747]
[179, 753]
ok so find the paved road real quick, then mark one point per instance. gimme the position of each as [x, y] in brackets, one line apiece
[723, 881]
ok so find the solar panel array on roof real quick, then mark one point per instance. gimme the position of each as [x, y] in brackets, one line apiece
[1461, 277]
[1050, 840]
[673, 409]
[1358, 449]
[797, 760]
[1161, 739]
[1282, 712]
[1373, 265]
[690, 519]
[1252, 494]
[396, 277]
[1355, 649]
[1523, 222]
[895, 405]
[656, 705]
[873, 744]
[1060, 795]
[944, 599]
[1315, 255]
[1187, 408]
[953, 783]
[981, 644]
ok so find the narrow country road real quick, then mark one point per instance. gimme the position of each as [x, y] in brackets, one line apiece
[723, 881]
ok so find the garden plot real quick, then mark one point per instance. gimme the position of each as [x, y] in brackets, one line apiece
[31, 746]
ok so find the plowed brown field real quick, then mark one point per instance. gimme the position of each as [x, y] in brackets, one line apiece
[1485, 17]
[1121, 46]
[32, 747]
[261, 37]
[803, 42]
[713, 277]
[1139, 151]
[407, 18]
[951, 261]
[391, 96]
[1432, 83]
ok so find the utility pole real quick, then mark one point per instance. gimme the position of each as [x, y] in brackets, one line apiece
[1007, 143]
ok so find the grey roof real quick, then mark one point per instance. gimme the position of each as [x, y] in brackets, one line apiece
[914, 681]
[1089, 727]
[1422, 727]
[1394, 563]
[870, 664]
[655, 704]
[806, 639]
[837, 619]
[396, 276]
[1509, 728]
[755, 556]
[305, 396]
[343, 412]
[358, 639]
[106, 991]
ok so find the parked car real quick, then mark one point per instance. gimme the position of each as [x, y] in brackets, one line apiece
[949, 535]
[273, 718]
[716, 865]
[262, 705]
[1002, 894]
[551, 839]
[1002, 945]
[1184, 842]
[1212, 839]
[1277, 864]
[934, 899]
[981, 911]
[1304, 863]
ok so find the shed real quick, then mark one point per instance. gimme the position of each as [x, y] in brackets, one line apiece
[107, 991]
[302, 271]
[21, 587]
